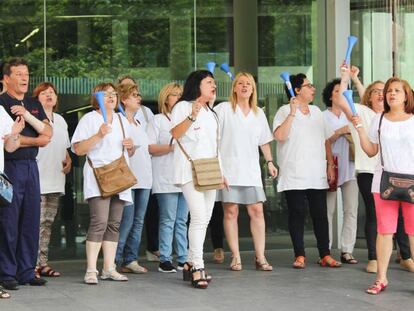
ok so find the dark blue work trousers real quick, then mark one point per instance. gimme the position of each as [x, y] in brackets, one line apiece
[19, 222]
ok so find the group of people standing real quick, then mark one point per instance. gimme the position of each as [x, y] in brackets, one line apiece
[316, 151]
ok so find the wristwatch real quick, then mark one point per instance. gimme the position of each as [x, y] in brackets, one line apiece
[191, 118]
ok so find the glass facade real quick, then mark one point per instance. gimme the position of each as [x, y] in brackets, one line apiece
[77, 43]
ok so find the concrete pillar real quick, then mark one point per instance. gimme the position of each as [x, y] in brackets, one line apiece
[246, 55]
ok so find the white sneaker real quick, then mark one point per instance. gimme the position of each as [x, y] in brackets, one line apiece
[113, 275]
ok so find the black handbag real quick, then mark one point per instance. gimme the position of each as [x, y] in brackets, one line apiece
[6, 190]
[395, 186]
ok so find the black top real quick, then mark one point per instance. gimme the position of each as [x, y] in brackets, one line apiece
[35, 108]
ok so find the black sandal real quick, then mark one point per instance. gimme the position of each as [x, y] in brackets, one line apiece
[187, 273]
[348, 259]
[4, 294]
[202, 281]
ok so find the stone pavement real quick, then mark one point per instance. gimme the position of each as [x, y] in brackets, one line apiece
[314, 288]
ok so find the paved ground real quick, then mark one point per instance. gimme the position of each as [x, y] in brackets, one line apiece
[314, 288]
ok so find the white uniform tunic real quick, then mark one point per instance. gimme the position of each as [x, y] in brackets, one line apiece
[107, 150]
[162, 166]
[241, 137]
[397, 141]
[6, 123]
[199, 141]
[302, 157]
[340, 148]
[50, 158]
[144, 121]
[140, 162]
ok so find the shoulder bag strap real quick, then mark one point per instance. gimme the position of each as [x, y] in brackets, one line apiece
[379, 139]
[123, 135]
[217, 136]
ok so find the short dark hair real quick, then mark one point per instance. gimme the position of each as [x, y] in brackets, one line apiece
[14, 62]
[192, 84]
[327, 91]
[296, 81]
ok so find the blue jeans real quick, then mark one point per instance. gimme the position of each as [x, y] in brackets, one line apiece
[131, 226]
[173, 224]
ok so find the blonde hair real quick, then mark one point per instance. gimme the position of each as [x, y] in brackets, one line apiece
[253, 97]
[125, 90]
[166, 91]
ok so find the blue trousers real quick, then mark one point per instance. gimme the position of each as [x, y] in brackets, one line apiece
[19, 222]
[131, 227]
[173, 226]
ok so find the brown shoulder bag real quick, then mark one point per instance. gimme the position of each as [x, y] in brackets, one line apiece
[116, 176]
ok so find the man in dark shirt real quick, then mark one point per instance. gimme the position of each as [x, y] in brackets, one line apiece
[19, 222]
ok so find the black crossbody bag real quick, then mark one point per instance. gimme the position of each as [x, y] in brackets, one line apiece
[395, 186]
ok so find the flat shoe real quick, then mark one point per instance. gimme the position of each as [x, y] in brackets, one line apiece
[407, 264]
[113, 275]
[299, 262]
[263, 265]
[372, 266]
[133, 267]
[91, 277]
[376, 288]
[329, 262]
[236, 264]
[348, 259]
[4, 294]
[218, 256]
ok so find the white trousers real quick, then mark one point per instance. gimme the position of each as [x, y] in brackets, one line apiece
[201, 206]
[350, 213]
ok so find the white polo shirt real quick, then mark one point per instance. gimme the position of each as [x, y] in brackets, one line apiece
[397, 141]
[163, 165]
[241, 137]
[140, 162]
[6, 123]
[199, 141]
[302, 157]
[107, 150]
[50, 158]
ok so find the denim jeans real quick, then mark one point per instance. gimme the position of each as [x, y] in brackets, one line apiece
[173, 224]
[131, 227]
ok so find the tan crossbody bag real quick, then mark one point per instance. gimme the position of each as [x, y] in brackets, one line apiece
[206, 172]
[116, 176]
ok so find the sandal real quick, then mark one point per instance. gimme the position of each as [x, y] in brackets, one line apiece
[348, 259]
[47, 271]
[236, 264]
[299, 262]
[113, 275]
[4, 294]
[263, 265]
[329, 262]
[200, 282]
[187, 273]
[376, 288]
[91, 277]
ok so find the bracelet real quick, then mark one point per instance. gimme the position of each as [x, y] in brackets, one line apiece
[191, 118]
[358, 126]
[270, 161]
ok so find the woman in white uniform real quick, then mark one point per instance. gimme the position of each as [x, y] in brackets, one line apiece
[133, 216]
[172, 206]
[306, 164]
[244, 128]
[102, 143]
[54, 163]
[195, 125]
[343, 150]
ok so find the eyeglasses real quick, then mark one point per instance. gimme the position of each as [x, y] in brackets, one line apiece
[175, 94]
[135, 95]
[111, 94]
[377, 92]
[309, 85]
